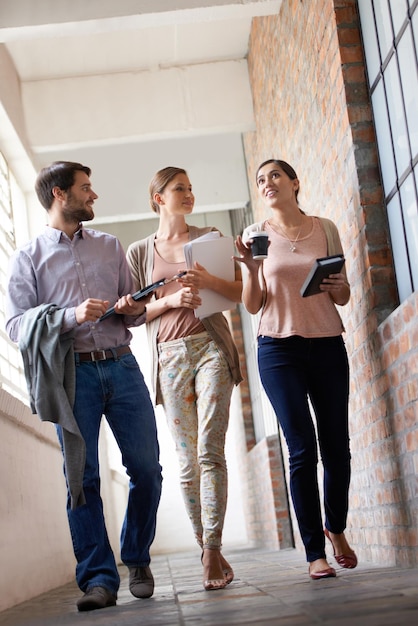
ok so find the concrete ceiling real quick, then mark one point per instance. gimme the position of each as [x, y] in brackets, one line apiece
[131, 86]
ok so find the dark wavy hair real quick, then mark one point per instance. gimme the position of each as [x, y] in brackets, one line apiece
[59, 174]
[288, 169]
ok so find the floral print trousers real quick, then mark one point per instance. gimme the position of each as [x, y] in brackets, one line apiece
[196, 387]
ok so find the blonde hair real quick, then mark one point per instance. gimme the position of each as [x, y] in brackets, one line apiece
[160, 181]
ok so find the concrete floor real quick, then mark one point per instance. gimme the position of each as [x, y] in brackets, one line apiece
[270, 588]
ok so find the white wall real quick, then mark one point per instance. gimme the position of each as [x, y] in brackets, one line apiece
[35, 544]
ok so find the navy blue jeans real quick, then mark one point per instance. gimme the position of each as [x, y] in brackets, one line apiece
[293, 370]
[116, 389]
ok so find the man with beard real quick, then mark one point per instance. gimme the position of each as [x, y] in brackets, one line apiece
[78, 369]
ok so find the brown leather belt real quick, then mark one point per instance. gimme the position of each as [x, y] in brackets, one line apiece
[102, 355]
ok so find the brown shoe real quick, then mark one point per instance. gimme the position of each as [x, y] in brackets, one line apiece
[141, 582]
[96, 598]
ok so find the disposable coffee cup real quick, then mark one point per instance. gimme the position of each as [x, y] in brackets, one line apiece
[259, 244]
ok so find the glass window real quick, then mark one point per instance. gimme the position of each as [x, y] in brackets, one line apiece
[398, 9]
[384, 27]
[397, 234]
[397, 116]
[384, 139]
[410, 216]
[369, 41]
[11, 368]
[409, 81]
[414, 22]
[394, 97]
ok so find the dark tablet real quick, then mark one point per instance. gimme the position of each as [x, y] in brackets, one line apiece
[321, 269]
[144, 292]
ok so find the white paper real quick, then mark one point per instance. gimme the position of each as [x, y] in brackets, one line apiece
[213, 234]
[215, 254]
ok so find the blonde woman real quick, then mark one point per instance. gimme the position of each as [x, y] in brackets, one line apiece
[194, 363]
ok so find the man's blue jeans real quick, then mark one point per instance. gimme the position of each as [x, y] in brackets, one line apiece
[293, 370]
[116, 389]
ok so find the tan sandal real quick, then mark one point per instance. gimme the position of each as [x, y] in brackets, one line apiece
[213, 584]
[227, 570]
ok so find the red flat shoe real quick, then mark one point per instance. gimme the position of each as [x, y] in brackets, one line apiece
[348, 561]
[323, 573]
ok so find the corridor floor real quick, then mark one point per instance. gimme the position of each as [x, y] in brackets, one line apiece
[271, 588]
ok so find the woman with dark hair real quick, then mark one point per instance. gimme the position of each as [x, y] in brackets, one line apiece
[194, 365]
[302, 358]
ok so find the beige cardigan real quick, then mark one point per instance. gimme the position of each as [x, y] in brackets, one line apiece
[140, 256]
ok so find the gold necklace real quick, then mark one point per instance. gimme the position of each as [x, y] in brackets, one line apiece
[292, 242]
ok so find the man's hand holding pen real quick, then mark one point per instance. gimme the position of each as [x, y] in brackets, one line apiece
[90, 310]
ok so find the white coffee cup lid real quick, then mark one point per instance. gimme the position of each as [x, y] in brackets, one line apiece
[258, 232]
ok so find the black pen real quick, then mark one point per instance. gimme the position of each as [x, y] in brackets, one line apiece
[144, 292]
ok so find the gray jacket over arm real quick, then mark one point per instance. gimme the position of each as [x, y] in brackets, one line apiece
[49, 366]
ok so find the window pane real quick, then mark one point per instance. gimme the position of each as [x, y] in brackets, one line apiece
[409, 209]
[369, 39]
[397, 117]
[384, 139]
[409, 80]
[394, 102]
[384, 27]
[11, 370]
[397, 234]
[398, 10]
[414, 22]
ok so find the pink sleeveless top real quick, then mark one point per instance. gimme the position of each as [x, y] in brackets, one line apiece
[285, 312]
[174, 323]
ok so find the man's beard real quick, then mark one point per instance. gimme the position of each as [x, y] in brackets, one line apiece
[74, 214]
[77, 215]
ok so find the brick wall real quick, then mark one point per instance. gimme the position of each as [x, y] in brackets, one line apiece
[312, 109]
